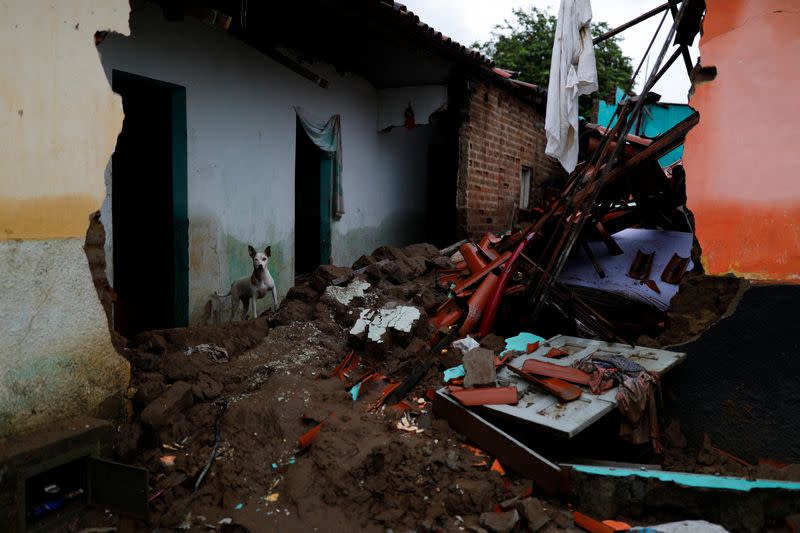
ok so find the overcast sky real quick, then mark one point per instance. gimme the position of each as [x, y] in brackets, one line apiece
[468, 21]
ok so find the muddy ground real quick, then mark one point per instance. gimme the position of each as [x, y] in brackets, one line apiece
[361, 473]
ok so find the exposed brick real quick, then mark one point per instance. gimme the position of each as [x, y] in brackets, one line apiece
[502, 134]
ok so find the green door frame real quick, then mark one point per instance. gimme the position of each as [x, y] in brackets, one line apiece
[180, 203]
[325, 199]
[180, 206]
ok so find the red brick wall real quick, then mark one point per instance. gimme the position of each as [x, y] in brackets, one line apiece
[499, 134]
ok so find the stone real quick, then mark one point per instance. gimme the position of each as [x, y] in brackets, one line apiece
[534, 513]
[149, 342]
[293, 311]
[441, 262]
[178, 428]
[388, 252]
[429, 298]
[424, 420]
[404, 270]
[363, 262]
[323, 311]
[148, 391]
[324, 274]
[174, 401]
[563, 519]
[493, 342]
[144, 361]
[452, 460]
[422, 249]
[304, 293]
[398, 272]
[177, 366]
[509, 503]
[127, 440]
[418, 265]
[500, 522]
[378, 350]
[673, 436]
[207, 388]
[418, 348]
[479, 367]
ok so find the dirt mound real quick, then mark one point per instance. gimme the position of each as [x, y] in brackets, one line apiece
[700, 303]
[235, 337]
[361, 473]
[366, 470]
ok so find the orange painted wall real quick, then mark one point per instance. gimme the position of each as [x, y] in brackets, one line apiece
[743, 159]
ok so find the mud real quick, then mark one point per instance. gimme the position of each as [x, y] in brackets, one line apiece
[701, 302]
[360, 474]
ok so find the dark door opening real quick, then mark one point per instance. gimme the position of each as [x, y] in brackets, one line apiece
[148, 206]
[312, 204]
[442, 216]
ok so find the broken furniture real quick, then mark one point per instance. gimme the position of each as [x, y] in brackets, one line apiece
[50, 475]
[541, 408]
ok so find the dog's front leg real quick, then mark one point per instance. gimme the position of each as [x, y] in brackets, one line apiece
[274, 298]
[245, 308]
[255, 307]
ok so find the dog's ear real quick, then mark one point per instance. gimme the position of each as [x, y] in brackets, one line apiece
[251, 250]
[268, 251]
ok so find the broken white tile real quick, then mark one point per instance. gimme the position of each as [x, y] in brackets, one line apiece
[376, 322]
[345, 295]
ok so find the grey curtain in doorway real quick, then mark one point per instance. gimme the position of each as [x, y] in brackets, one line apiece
[328, 137]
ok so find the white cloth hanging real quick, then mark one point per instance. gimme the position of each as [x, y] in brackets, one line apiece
[573, 72]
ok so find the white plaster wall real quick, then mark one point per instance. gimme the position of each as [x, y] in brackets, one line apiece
[241, 151]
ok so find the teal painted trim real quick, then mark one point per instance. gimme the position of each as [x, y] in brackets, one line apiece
[180, 207]
[325, 199]
[704, 481]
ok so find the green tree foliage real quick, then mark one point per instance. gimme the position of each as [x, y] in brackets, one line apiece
[525, 44]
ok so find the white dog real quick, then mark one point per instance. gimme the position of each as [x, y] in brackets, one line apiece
[251, 288]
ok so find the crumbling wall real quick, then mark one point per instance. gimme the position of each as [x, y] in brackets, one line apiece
[741, 159]
[500, 134]
[59, 121]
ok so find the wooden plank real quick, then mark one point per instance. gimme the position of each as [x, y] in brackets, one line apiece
[513, 454]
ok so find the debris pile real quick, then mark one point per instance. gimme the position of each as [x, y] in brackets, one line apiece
[330, 408]
[252, 413]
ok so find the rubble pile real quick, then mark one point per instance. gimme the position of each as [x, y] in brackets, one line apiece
[269, 381]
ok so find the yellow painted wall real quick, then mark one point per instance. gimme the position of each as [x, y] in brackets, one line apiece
[59, 122]
[58, 117]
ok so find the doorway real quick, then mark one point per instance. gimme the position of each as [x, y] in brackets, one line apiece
[149, 206]
[312, 204]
